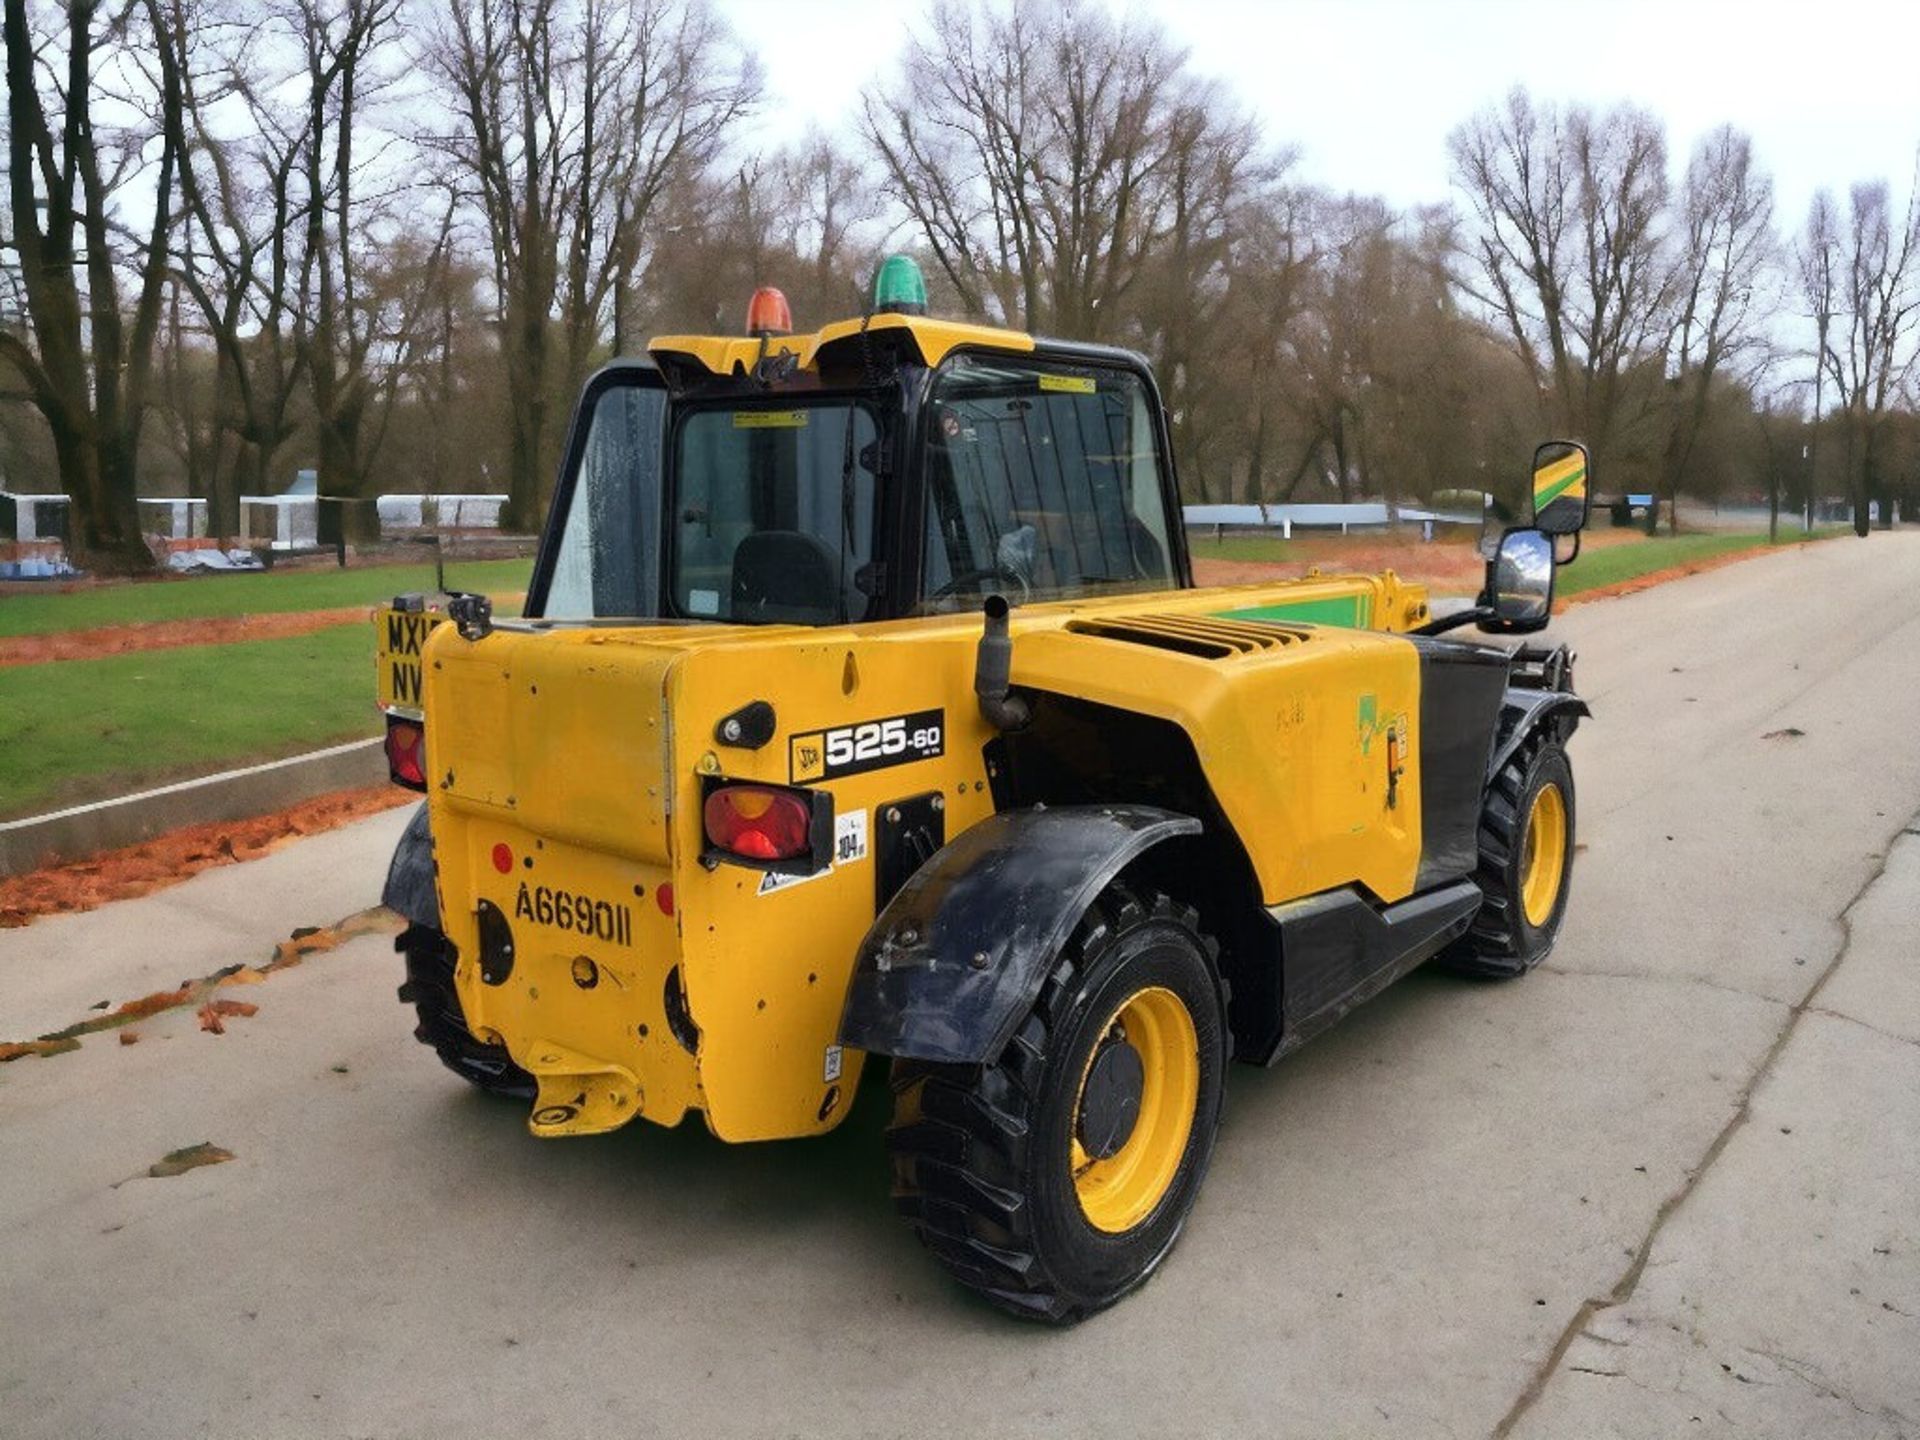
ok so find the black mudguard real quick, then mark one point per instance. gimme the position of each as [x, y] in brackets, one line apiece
[1523, 712]
[409, 889]
[958, 957]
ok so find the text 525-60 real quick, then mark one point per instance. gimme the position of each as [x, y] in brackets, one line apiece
[879, 739]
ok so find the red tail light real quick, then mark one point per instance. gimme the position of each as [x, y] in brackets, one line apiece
[759, 822]
[406, 753]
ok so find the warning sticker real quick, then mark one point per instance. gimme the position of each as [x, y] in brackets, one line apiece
[849, 847]
[1067, 384]
[769, 419]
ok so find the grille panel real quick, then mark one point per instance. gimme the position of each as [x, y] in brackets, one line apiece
[1204, 636]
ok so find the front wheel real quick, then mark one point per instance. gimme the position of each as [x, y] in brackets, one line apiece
[1526, 865]
[1056, 1178]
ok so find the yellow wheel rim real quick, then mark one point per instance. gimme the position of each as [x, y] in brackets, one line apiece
[1543, 859]
[1118, 1192]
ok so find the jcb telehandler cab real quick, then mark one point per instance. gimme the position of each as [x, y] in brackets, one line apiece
[864, 707]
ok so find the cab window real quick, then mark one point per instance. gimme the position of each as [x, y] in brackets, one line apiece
[607, 562]
[1043, 482]
[774, 513]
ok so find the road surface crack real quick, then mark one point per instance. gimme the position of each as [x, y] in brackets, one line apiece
[1629, 1280]
[1830, 1014]
[1668, 979]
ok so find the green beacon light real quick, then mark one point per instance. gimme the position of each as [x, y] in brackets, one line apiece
[899, 289]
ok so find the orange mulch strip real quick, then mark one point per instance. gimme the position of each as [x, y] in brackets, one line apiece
[1445, 567]
[171, 858]
[171, 634]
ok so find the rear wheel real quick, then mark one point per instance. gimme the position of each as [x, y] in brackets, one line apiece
[443, 1025]
[1053, 1180]
[1526, 865]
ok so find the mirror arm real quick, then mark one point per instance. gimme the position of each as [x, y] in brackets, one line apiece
[1472, 615]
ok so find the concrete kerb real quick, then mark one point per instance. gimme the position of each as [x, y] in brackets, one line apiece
[84, 830]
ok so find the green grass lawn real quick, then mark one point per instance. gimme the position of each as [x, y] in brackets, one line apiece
[78, 730]
[265, 592]
[1601, 565]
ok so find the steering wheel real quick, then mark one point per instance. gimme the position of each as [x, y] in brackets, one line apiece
[970, 579]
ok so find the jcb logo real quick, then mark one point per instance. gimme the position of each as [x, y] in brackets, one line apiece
[807, 757]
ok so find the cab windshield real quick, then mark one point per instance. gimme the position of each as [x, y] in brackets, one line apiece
[773, 513]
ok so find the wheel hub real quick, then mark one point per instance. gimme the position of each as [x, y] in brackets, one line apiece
[1110, 1101]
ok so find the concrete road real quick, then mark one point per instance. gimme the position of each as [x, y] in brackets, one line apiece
[1666, 1185]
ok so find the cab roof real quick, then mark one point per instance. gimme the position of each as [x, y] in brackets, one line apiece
[737, 355]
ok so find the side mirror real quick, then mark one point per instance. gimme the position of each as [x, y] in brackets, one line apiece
[1561, 495]
[1520, 584]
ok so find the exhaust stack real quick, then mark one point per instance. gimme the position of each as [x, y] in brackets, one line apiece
[993, 663]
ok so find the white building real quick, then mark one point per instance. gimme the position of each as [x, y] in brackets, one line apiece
[32, 517]
[441, 512]
[172, 519]
[281, 522]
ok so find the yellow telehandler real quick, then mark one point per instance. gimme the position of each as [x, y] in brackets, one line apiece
[864, 709]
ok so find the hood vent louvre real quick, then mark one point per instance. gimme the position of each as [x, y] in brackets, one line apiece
[1205, 636]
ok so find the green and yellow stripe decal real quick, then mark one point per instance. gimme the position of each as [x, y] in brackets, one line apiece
[1565, 478]
[1355, 611]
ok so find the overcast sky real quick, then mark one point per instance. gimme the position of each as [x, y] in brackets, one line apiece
[1368, 89]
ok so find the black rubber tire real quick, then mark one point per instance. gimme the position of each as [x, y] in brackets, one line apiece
[442, 1026]
[1502, 945]
[979, 1152]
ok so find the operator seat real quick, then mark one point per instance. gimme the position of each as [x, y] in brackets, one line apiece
[785, 576]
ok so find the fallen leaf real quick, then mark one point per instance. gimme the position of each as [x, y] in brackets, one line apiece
[152, 1004]
[129, 1037]
[19, 1050]
[213, 1011]
[178, 1162]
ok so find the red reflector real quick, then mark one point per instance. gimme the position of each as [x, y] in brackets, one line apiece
[758, 822]
[663, 897]
[502, 857]
[406, 753]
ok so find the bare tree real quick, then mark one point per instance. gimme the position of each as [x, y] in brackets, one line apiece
[1726, 248]
[1567, 242]
[89, 365]
[681, 84]
[239, 252]
[337, 330]
[568, 190]
[1817, 259]
[1035, 151]
[1878, 292]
